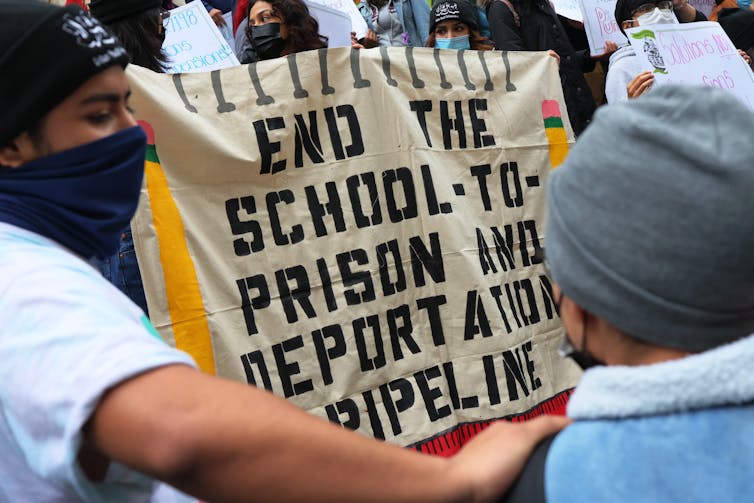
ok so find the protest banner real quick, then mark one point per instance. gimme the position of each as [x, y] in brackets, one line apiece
[693, 53]
[360, 232]
[600, 25]
[333, 24]
[358, 24]
[569, 9]
[193, 42]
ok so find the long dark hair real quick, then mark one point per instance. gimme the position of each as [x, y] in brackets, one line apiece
[303, 29]
[140, 35]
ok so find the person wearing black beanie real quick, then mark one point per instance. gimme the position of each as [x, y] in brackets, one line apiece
[453, 24]
[95, 406]
[138, 24]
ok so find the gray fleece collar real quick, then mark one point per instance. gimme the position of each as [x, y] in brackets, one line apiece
[718, 377]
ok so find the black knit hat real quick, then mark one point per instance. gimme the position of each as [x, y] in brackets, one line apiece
[624, 8]
[46, 53]
[109, 11]
[739, 25]
[461, 10]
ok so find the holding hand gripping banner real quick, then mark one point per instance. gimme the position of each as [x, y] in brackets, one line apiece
[360, 232]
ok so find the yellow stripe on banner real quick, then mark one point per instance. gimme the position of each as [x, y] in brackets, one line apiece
[558, 141]
[190, 326]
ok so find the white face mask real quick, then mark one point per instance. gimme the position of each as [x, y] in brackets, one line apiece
[657, 16]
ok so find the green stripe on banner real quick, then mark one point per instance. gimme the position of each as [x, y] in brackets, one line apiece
[152, 153]
[551, 122]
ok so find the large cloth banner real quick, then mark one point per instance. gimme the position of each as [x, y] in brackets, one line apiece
[361, 233]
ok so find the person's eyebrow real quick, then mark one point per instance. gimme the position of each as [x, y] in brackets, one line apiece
[105, 97]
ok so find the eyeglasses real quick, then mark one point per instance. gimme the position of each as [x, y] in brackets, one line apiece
[165, 18]
[649, 7]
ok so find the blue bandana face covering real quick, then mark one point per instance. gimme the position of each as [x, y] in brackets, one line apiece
[82, 198]
[461, 42]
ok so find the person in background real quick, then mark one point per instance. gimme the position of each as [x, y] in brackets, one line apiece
[739, 26]
[216, 9]
[138, 24]
[648, 244]
[278, 28]
[393, 23]
[626, 78]
[95, 406]
[533, 25]
[453, 25]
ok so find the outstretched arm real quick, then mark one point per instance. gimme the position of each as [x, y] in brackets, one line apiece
[225, 442]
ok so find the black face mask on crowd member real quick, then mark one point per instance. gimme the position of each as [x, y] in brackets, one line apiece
[266, 40]
[582, 357]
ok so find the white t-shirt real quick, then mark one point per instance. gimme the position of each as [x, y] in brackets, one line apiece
[66, 336]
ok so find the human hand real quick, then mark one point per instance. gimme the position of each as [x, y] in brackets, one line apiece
[495, 457]
[554, 55]
[640, 84]
[217, 17]
[610, 47]
[355, 43]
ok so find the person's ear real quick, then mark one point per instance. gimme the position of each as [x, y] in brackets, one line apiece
[11, 154]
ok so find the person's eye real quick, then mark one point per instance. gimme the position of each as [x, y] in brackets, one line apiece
[99, 118]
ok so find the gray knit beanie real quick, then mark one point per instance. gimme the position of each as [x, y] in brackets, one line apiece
[651, 218]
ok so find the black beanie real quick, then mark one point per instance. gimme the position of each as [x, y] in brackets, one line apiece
[624, 8]
[739, 26]
[109, 11]
[46, 53]
[453, 9]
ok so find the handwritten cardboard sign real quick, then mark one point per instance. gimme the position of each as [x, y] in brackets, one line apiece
[600, 25]
[193, 42]
[695, 54]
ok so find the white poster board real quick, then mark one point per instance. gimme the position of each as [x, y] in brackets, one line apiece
[358, 24]
[334, 24]
[569, 9]
[227, 28]
[193, 42]
[600, 25]
[695, 54]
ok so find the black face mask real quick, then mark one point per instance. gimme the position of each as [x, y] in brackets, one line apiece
[266, 40]
[567, 350]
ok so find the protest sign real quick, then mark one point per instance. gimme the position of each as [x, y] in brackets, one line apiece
[600, 25]
[569, 9]
[227, 29]
[693, 53]
[360, 232]
[358, 24]
[333, 24]
[193, 43]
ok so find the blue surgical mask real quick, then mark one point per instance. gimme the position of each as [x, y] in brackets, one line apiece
[461, 42]
[81, 198]
[744, 4]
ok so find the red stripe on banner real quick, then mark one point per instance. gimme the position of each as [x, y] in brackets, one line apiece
[450, 442]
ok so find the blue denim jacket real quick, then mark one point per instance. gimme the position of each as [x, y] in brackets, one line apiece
[122, 270]
[413, 15]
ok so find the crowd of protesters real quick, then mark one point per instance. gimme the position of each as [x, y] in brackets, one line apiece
[648, 247]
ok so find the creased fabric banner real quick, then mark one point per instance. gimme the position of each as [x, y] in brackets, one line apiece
[360, 232]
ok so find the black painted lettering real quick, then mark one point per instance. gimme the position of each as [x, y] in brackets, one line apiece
[421, 108]
[478, 126]
[389, 286]
[432, 305]
[409, 210]
[422, 259]
[249, 305]
[448, 124]
[267, 148]
[307, 138]
[297, 231]
[353, 183]
[509, 175]
[475, 311]
[400, 328]
[352, 278]
[238, 227]
[431, 394]
[256, 358]
[287, 370]
[366, 361]
[300, 294]
[318, 210]
[481, 173]
[327, 354]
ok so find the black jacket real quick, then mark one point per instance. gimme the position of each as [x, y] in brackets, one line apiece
[540, 30]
